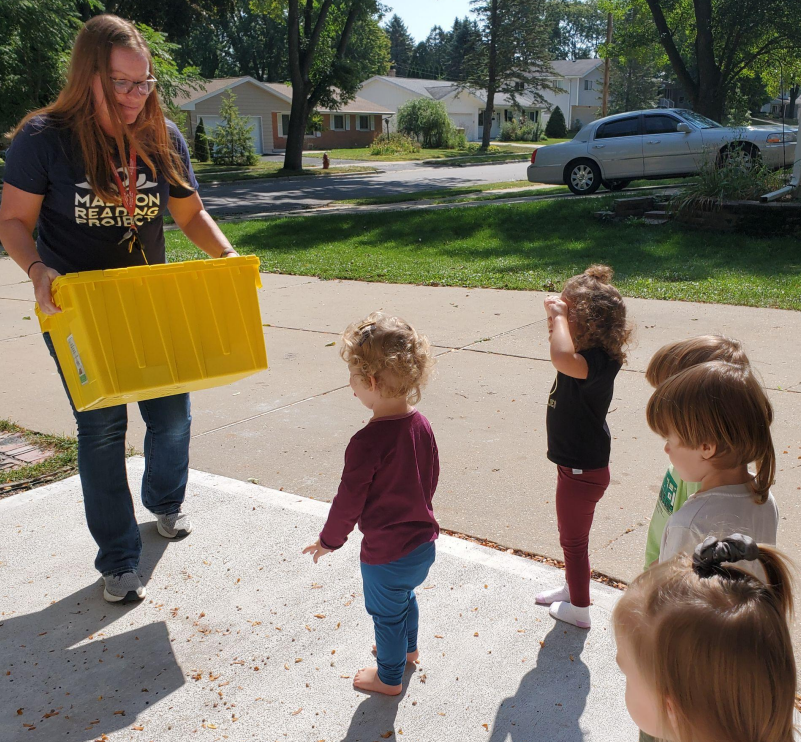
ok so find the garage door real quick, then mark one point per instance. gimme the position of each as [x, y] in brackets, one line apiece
[212, 122]
[465, 121]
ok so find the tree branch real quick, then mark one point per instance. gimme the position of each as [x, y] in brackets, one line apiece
[311, 45]
[666, 39]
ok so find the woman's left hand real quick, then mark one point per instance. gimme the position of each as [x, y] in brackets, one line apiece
[230, 253]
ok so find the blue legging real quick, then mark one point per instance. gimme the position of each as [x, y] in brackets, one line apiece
[389, 598]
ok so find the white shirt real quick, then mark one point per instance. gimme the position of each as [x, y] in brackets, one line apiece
[720, 512]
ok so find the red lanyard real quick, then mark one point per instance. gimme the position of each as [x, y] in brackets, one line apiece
[128, 195]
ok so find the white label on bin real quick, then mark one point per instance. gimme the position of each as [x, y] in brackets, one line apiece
[77, 358]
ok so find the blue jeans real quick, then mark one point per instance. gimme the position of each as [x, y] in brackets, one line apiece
[389, 598]
[104, 480]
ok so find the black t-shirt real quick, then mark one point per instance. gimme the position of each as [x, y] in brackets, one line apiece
[578, 436]
[78, 231]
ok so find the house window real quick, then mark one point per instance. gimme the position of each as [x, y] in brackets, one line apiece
[588, 85]
[507, 116]
[364, 123]
[338, 122]
[559, 84]
[519, 86]
[481, 119]
[284, 124]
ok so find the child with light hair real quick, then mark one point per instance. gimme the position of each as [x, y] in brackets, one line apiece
[388, 482]
[670, 359]
[715, 418]
[706, 647]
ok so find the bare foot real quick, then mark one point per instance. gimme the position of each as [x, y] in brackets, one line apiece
[411, 657]
[367, 679]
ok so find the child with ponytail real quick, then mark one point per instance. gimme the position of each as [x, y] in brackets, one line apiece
[588, 335]
[716, 418]
[706, 648]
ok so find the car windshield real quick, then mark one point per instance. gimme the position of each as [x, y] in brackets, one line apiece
[700, 121]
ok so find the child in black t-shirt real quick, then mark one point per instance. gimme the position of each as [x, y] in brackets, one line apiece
[588, 331]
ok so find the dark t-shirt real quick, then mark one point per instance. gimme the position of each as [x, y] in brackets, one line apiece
[578, 436]
[78, 231]
[390, 475]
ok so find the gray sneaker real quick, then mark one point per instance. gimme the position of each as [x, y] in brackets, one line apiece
[123, 588]
[174, 525]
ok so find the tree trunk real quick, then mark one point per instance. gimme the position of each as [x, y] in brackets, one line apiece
[795, 91]
[491, 75]
[293, 157]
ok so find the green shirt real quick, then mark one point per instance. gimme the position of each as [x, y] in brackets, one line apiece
[672, 495]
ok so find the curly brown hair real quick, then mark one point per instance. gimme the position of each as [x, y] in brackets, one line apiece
[390, 350]
[598, 312]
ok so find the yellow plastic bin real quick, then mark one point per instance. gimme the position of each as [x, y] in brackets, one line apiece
[129, 334]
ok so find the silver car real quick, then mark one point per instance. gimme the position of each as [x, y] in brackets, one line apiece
[657, 143]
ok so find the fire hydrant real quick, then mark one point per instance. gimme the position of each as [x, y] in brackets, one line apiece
[326, 161]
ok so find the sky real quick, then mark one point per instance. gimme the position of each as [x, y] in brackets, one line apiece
[420, 15]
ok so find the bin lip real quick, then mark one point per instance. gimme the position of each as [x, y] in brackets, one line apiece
[142, 271]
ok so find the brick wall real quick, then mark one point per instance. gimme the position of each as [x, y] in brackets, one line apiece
[330, 139]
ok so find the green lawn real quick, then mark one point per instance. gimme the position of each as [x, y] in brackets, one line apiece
[522, 246]
[363, 154]
[208, 173]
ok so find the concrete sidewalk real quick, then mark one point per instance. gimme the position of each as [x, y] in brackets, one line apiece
[242, 637]
[288, 427]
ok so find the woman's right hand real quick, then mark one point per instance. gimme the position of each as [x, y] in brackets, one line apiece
[43, 278]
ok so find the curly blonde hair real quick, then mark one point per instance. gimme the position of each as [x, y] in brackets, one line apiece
[390, 350]
[598, 311]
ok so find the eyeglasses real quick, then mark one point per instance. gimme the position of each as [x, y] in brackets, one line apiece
[124, 87]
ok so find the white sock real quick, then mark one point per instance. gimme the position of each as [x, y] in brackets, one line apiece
[571, 614]
[551, 596]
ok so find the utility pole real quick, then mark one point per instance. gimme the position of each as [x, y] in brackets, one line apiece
[605, 104]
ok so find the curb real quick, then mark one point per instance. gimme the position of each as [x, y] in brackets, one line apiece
[285, 178]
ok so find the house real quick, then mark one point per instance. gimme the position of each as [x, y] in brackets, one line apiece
[673, 95]
[778, 105]
[266, 107]
[465, 106]
[579, 87]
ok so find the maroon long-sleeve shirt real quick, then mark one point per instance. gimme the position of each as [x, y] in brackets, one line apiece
[390, 475]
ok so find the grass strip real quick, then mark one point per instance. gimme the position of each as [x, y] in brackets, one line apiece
[61, 464]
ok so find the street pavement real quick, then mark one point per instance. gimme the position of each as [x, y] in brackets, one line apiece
[260, 196]
[242, 637]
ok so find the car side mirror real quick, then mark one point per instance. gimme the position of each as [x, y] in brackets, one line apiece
[684, 128]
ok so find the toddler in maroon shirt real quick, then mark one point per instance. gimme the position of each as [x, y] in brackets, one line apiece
[390, 475]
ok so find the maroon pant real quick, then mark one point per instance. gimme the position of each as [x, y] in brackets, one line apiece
[576, 498]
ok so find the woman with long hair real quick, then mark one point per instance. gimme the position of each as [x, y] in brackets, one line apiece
[93, 174]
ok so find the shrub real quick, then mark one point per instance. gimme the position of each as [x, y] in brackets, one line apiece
[521, 131]
[201, 143]
[556, 127]
[394, 144]
[231, 140]
[427, 121]
[734, 177]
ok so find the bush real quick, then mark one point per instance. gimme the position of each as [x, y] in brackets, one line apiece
[428, 122]
[556, 127]
[734, 177]
[394, 144]
[231, 140]
[521, 131]
[201, 143]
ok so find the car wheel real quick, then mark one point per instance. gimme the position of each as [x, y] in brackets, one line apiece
[745, 155]
[583, 177]
[615, 185]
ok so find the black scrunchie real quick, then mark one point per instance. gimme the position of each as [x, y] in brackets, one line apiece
[712, 553]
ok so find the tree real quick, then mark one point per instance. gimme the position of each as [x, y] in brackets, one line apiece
[430, 56]
[576, 28]
[35, 39]
[232, 143]
[633, 84]
[326, 65]
[401, 44]
[513, 59]
[464, 41]
[712, 43]
[556, 127]
[428, 121]
[201, 143]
